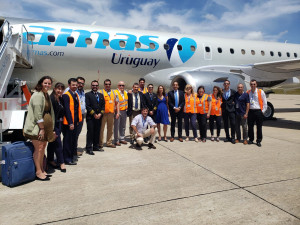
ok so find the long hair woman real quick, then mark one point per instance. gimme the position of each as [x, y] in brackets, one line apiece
[39, 124]
[162, 116]
[216, 112]
[56, 146]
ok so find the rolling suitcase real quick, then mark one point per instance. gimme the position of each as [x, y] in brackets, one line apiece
[2, 144]
[17, 163]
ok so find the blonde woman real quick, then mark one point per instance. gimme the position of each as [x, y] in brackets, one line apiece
[39, 124]
[190, 111]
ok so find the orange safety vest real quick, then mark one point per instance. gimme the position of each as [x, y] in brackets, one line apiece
[65, 122]
[144, 91]
[202, 104]
[215, 106]
[109, 101]
[260, 101]
[122, 101]
[190, 105]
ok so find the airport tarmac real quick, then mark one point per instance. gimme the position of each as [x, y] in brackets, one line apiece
[177, 183]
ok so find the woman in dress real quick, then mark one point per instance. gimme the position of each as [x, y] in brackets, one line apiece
[190, 112]
[203, 111]
[39, 124]
[162, 115]
[216, 112]
[56, 146]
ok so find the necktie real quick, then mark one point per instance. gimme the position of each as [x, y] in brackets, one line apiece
[97, 96]
[150, 96]
[136, 102]
[176, 99]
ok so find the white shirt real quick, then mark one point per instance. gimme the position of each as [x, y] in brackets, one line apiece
[133, 102]
[141, 124]
[254, 103]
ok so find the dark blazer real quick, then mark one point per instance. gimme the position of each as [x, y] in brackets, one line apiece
[66, 104]
[58, 107]
[130, 102]
[92, 105]
[171, 101]
[151, 104]
[229, 104]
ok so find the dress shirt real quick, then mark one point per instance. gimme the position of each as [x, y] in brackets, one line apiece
[141, 124]
[226, 94]
[82, 100]
[254, 103]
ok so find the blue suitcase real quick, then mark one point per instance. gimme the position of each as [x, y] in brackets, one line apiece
[17, 163]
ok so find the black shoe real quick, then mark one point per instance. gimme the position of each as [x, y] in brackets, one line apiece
[138, 147]
[250, 143]
[131, 142]
[233, 141]
[63, 170]
[45, 179]
[71, 163]
[48, 175]
[258, 144]
[101, 150]
[150, 145]
[90, 152]
[226, 139]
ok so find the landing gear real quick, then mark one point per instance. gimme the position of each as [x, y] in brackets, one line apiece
[268, 115]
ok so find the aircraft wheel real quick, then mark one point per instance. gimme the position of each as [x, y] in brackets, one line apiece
[269, 112]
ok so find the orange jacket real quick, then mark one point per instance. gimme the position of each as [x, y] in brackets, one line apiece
[190, 104]
[109, 101]
[65, 122]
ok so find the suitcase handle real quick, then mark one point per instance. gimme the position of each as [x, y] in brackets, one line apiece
[18, 142]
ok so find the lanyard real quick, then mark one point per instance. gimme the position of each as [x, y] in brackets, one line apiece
[144, 121]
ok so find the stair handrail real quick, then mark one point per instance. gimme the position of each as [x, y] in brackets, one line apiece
[7, 36]
[28, 52]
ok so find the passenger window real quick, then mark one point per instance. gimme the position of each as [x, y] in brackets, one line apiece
[295, 55]
[70, 40]
[288, 54]
[252, 52]
[193, 48]
[152, 45]
[166, 47]
[105, 42]
[279, 54]
[137, 44]
[232, 51]
[271, 53]
[31, 37]
[262, 53]
[220, 50]
[51, 38]
[243, 51]
[179, 47]
[122, 44]
[88, 41]
[207, 49]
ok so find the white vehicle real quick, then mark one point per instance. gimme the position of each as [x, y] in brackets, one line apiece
[32, 49]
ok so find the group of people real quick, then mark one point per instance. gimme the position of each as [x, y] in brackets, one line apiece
[66, 108]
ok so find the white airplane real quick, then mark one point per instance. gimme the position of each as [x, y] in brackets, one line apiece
[32, 49]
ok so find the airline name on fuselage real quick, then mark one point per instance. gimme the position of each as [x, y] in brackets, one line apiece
[135, 62]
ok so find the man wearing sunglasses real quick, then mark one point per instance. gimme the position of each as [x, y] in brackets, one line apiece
[120, 123]
[111, 107]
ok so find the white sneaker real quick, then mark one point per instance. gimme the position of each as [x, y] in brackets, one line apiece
[196, 140]
[212, 138]
[187, 139]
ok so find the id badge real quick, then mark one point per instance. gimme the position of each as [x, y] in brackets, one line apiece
[188, 105]
[200, 105]
[216, 108]
[110, 101]
[251, 102]
[237, 105]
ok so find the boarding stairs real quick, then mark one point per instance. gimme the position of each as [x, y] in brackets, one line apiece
[15, 52]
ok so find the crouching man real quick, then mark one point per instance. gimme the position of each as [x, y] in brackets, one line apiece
[139, 125]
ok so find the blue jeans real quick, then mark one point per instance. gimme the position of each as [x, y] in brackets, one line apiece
[190, 118]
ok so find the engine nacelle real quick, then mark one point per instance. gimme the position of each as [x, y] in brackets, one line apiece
[208, 79]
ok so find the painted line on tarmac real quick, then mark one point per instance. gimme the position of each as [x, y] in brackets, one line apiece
[240, 187]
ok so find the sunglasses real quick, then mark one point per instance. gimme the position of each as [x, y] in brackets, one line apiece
[95, 85]
[121, 85]
[150, 87]
[107, 84]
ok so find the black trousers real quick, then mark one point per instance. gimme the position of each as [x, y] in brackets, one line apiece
[69, 143]
[212, 120]
[202, 123]
[229, 117]
[179, 117]
[56, 146]
[255, 116]
[93, 134]
[79, 128]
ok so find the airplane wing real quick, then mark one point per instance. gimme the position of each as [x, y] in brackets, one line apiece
[285, 66]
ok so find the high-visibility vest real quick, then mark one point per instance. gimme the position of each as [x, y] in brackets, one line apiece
[190, 104]
[145, 90]
[65, 122]
[109, 101]
[122, 101]
[260, 101]
[202, 104]
[215, 106]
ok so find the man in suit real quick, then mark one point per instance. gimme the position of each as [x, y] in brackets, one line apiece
[135, 104]
[176, 103]
[150, 100]
[228, 111]
[95, 106]
[71, 120]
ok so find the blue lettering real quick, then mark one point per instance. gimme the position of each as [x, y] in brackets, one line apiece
[129, 42]
[146, 41]
[101, 37]
[44, 35]
[62, 37]
[83, 34]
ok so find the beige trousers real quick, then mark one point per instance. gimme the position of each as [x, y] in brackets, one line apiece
[108, 118]
[134, 114]
[147, 133]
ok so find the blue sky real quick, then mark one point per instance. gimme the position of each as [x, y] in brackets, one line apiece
[270, 20]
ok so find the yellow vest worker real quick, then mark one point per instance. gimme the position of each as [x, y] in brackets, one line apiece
[202, 104]
[215, 106]
[65, 122]
[109, 101]
[122, 101]
[190, 104]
